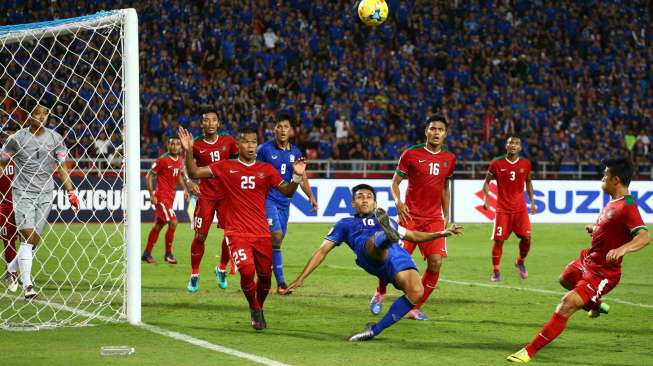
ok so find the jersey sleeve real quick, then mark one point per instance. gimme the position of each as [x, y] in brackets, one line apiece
[275, 177]
[216, 169]
[233, 146]
[60, 150]
[404, 165]
[492, 169]
[156, 167]
[338, 232]
[10, 149]
[633, 219]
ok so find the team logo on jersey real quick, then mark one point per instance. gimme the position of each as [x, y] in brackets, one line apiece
[292, 158]
[521, 170]
[261, 175]
[274, 157]
[223, 148]
[609, 214]
[445, 164]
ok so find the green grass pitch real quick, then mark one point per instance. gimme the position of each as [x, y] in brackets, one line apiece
[473, 322]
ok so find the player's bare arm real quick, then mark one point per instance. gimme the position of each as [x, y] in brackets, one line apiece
[306, 188]
[312, 264]
[194, 171]
[420, 237]
[531, 194]
[640, 240]
[486, 189]
[149, 181]
[402, 209]
[68, 185]
[299, 168]
[446, 200]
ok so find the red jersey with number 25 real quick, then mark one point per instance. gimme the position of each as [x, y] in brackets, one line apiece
[618, 222]
[245, 190]
[207, 153]
[511, 177]
[5, 185]
[167, 170]
[427, 173]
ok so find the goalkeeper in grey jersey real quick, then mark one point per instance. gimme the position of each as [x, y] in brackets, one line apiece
[37, 152]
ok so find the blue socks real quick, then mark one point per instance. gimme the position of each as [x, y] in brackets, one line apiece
[399, 308]
[277, 265]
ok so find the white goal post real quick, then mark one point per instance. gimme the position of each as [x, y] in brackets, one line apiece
[85, 71]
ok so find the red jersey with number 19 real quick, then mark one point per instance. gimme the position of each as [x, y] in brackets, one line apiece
[511, 177]
[427, 173]
[207, 153]
[245, 190]
[618, 222]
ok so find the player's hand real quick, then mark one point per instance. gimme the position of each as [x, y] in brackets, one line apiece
[589, 229]
[614, 255]
[454, 229]
[533, 208]
[299, 166]
[186, 196]
[295, 284]
[403, 212]
[74, 201]
[193, 188]
[485, 204]
[154, 200]
[186, 139]
[313, 204]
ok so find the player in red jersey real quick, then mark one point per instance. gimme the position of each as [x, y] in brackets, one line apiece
[7, 220]
[511, 173]
[208, 149]
[246, 183]
[428, 169]
[168, 170]
[618, 230]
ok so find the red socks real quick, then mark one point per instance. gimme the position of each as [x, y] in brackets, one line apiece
[249, 287]
[524, 247]
[263, 288]
[151, 239]
[497, 251]
[170, 236]
[382, 288]
[196, 254]
[224, 256]
[429, 281]
[549, 332]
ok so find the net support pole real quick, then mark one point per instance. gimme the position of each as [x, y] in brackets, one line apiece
[133, 166]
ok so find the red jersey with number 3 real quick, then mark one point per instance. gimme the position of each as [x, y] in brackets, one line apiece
[618, 222]
[167, 170]
[511, 178]
[5, 185]
[427, 173]
[207, 153]
[245, 190]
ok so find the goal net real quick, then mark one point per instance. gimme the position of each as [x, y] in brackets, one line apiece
[84, 70]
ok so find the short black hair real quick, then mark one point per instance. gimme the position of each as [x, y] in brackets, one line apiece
[285, 116]
[620, 167]
[210, 110]
[363, 186]
[436, 118]
[247, 130]
[174, 137]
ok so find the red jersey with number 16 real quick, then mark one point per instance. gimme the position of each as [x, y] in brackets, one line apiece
[511, 177]
[167, 170]
[5, 185]
[427, 173]
[207, 153]
[245, 190]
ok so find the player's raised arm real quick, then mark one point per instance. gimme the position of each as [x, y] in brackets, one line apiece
[420, 237]
[299, 168]
[486, 189]
[402, 209]
[194, 171]
[314, 262]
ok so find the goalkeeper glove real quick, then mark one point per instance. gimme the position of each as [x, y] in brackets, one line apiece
[74, 201]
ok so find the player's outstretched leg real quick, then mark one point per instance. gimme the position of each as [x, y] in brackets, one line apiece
[497, 251]
[221, 269]
[391, 235]
[170, 237]
[25, 258]
[524, 248]
[196, 254]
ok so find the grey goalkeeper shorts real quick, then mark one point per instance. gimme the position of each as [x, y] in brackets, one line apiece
[31, 209]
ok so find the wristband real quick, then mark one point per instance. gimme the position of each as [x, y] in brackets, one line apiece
[402, 232]
[296, 178]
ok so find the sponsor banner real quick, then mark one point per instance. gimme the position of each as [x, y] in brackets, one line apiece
[557, 201]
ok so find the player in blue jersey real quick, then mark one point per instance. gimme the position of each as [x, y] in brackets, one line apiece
[281, 154]
[374, 238]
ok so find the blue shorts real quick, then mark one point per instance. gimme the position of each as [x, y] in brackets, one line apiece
[277, 216]
[398, 260]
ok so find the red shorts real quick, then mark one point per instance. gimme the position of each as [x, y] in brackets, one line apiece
[7, 222]
[164, 212]
[248, 251]
[508, 223]
[437, 246]
[589, 285]
[205, 211]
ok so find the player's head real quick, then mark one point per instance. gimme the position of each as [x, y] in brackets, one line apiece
[283, 128]
[363, 198]
[513, 145]
[210, 122]
[174, 145]
[247, 143]
[38, 116]
[617, 173]
[436, 130]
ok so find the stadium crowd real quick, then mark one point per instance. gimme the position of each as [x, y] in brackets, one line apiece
[574, 79]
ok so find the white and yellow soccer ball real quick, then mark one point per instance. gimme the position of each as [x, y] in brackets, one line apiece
[373, 12]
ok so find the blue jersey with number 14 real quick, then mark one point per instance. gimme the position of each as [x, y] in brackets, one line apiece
[282, 160]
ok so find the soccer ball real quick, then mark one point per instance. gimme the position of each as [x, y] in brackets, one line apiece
[373, 12]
